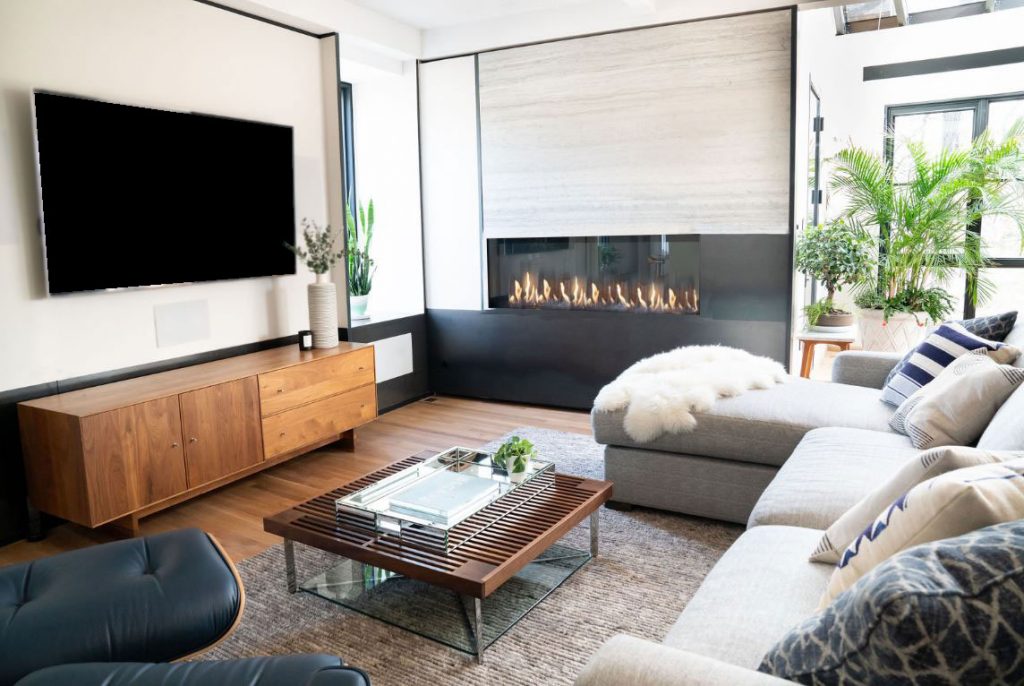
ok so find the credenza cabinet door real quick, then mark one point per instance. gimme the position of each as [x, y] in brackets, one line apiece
[134, 457]
[221, 426]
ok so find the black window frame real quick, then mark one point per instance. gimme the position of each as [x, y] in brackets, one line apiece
[348, 146]
[980, 107]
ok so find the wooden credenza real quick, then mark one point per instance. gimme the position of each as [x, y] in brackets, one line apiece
[117, 452]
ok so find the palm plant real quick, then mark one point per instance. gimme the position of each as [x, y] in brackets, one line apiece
[924, 239]
[357, 249]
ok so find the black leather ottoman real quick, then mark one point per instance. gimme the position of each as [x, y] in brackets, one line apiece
[152, 599]
[292, 670]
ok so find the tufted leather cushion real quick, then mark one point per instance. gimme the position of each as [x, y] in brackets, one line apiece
[292, 670]
[148, 599]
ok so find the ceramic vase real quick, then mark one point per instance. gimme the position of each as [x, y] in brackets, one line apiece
[323, 311]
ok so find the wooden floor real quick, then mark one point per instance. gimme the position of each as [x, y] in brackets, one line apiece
[234, 514]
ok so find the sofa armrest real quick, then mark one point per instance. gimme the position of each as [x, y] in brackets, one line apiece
[863, 368]
[634, 661]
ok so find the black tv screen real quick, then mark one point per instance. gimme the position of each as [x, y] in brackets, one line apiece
[142, 197]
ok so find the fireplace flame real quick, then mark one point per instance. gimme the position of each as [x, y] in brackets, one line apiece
[537, 292]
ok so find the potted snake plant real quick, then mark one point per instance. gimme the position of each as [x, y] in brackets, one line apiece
[361, 267]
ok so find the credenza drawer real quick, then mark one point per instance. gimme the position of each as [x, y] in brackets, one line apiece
[317, 421]
[291, 387]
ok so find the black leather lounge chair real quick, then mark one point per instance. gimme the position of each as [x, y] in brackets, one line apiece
[123, 613]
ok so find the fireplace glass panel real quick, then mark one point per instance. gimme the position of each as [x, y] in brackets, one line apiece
[615, 273]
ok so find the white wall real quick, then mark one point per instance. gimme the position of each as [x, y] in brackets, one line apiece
[386, 131]
[451, 190]
[854, 109]
[176, 54]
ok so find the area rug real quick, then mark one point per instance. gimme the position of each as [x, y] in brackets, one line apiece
[649, 566]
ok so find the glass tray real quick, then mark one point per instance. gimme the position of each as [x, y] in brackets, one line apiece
[379, 505]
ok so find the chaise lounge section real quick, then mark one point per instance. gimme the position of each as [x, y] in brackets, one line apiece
[764, 585]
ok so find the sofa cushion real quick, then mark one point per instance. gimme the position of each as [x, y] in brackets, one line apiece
[925, 465]
[830, 470]
[287, 670]
[1006, 430]
[762, 426]
[947, 612]
[997, 327]
[951, 504]
[957, 407]
[935, 353]
[758, 591]
[1016, 339]
[149, 599]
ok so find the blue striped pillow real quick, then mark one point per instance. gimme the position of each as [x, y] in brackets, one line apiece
[930, 357]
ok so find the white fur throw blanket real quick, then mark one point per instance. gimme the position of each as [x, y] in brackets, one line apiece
[661, 393]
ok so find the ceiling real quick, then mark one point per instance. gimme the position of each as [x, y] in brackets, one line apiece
[431, 14]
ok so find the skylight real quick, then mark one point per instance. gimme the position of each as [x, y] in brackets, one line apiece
[884, 14]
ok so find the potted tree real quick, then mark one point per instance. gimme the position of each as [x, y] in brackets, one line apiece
[922, 215]
[837, 255]
[361, 266]
[322, 295]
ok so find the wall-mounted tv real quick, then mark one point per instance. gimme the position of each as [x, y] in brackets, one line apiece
[143, 197]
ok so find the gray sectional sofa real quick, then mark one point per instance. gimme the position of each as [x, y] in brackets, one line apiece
[787, 461]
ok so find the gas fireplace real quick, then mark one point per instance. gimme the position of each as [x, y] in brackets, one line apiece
[657, 274]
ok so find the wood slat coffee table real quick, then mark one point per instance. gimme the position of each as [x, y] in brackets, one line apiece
[485, 551]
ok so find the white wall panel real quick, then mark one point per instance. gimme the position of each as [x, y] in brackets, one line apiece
[451, 198]
[675, 129]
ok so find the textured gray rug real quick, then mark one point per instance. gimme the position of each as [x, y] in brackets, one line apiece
[650, 565]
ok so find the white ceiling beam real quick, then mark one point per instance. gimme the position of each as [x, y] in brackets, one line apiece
[902, 17]
[840, 16]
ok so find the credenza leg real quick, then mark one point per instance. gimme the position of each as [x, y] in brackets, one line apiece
[289, 565]
[125, 527]
[347, 442]
[36, 532]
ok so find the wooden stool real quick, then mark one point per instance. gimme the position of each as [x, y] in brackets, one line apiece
[809, 339]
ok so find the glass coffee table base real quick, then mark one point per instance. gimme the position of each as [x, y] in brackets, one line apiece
[461, 622]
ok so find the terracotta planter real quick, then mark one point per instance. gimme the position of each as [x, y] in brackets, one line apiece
[902, 332]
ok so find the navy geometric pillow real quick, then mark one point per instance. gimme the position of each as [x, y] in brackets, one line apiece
[995, 328]
[948, 612]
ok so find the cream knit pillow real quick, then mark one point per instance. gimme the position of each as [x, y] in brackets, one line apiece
[951, 504]
[929, 464]
[955, 408]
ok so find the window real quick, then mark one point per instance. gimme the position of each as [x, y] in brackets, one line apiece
[348, 148]
[885, 14]
[956, 124]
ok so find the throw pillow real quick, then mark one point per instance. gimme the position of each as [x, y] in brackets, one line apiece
[1006, 430]
[926, 465]
[995, 328]
[936, 352]
[956, 407]
[948, 612]
[950, 504]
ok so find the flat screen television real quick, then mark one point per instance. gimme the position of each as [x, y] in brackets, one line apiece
[143, 197]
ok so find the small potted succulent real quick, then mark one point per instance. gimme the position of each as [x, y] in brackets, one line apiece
[837, 254]
[361, 267]
[514, 457]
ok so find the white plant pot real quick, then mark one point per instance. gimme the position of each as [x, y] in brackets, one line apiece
[358, 306]
[323, 311]
[517, 477]
[902, 332]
